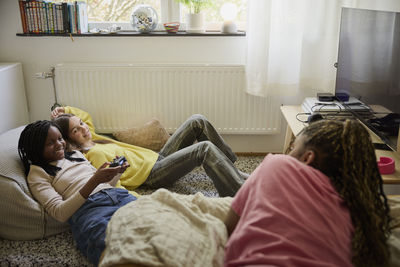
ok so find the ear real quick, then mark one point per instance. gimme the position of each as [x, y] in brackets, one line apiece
[308, 157]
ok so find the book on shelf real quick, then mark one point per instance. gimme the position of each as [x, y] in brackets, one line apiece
[60, 21]
[46, 17]
[82, 17]
[23, 16]
[49, 14]
[72, 18]
[65, 17]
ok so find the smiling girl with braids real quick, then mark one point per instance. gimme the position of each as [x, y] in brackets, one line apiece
[323, 205]
[69, 187]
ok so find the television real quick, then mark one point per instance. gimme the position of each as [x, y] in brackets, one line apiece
[368, 68]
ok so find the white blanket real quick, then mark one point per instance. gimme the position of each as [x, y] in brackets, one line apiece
[168, 229]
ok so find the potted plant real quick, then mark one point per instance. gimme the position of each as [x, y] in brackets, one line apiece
[195, 18]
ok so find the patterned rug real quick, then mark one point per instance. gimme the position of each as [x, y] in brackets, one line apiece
[59, 250]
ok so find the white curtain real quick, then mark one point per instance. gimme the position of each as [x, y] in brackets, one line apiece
[292, 44]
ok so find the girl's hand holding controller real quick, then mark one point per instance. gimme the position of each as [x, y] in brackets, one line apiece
[120, 162]
[104, 175]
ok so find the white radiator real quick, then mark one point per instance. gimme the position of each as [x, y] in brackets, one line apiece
[119, 96]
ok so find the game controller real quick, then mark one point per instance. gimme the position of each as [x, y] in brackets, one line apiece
[118, 161]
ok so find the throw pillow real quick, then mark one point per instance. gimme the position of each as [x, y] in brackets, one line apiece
[151, 135]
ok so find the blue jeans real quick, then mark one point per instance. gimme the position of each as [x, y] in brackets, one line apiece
[88, 224]
[180, 155]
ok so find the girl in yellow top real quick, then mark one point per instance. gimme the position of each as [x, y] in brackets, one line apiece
[178, 156]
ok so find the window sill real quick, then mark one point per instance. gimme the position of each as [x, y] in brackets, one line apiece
[135, 34]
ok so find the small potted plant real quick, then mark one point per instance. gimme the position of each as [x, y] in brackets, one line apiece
[195, 18]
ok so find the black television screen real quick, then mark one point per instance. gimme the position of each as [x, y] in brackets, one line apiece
[368, 67]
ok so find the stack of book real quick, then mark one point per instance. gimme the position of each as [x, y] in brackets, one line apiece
[44, 17]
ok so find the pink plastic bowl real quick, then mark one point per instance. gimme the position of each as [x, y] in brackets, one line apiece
[386, 165]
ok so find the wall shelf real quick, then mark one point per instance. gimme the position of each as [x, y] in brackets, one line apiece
[135, 34]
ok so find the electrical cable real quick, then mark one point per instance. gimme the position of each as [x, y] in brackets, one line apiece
[302, 114]
[369, 125]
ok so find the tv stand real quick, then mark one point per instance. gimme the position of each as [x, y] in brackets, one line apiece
[382, 146]
[294, 126]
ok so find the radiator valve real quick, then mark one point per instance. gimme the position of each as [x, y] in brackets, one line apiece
[43, 75]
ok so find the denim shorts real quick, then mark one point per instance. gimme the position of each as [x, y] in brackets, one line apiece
[89, 223]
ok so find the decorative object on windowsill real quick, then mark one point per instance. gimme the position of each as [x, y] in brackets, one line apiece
[144, 18]
[172, 27]
[114, 28]
[228, 13]
[195, 19]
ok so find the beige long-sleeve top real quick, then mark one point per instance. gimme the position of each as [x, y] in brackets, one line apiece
[59, 194]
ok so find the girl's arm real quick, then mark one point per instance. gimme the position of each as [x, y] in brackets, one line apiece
[59, 208]
[40, 184]
[231, 221]
[102, 175]
[116, 178]
[57, 112]
[83, 115]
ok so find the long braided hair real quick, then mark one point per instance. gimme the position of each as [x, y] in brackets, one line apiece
[31, 147]
[344, 152]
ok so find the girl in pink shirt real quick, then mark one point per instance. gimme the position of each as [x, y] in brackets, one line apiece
[323, 205]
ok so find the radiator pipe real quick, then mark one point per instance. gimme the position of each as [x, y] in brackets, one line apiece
[53, 75]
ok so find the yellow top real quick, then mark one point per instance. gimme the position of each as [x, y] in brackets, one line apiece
[141, 160]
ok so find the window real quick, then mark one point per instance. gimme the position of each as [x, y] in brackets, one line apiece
[213, 15]
[105, 13]
[116, 10]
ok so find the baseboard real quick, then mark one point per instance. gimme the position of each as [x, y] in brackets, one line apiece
[251, 154]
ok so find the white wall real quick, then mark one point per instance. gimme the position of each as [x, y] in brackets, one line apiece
[13, 100]
[39, 54]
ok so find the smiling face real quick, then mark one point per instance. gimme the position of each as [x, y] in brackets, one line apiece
[79, 132]
[54, 146]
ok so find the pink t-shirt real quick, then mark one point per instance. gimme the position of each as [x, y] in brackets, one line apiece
[290, 215]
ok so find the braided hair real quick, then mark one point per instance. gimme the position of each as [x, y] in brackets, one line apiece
[344, 152]
[31, 147]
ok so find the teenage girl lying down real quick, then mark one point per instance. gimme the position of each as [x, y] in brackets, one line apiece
[323, 205]
[178, 156]
[69, 187]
